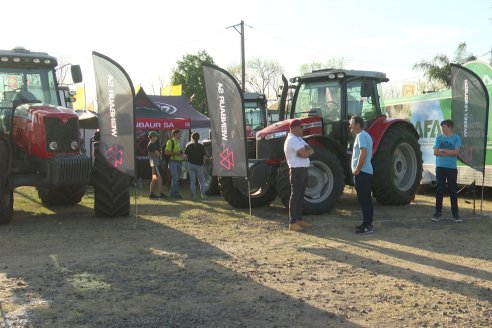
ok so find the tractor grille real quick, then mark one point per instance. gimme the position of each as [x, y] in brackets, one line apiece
[270, 149]
[62, 134]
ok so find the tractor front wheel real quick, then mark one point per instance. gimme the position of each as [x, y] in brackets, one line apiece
[238, 196]
[6, 193]
[111, 190]
[70, 195]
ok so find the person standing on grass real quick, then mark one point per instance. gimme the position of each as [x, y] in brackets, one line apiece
[155, 165]
[297, 153]
[196, 153]
[176, 156]
[446, 149]
[362, 172]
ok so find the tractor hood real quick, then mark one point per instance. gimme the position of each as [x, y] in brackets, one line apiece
[42, 110]
[311, 125]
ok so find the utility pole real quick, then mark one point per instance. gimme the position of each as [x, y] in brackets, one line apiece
[243, 60]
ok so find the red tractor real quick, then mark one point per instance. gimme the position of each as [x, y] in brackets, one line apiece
[325, 101]
[40, 140]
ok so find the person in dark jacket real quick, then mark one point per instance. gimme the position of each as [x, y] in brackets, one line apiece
[196, 154]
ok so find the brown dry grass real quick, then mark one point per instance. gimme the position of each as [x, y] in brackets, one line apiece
[203, 264]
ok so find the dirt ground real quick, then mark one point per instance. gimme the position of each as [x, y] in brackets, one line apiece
[204, 264]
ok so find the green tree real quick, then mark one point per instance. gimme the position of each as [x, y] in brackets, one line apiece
[189, 73]
[438, 70]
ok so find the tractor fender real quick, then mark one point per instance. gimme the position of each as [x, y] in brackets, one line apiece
[378, 128]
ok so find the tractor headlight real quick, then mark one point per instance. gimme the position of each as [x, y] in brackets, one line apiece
[74, 145]
[53, 145]
[276, 135]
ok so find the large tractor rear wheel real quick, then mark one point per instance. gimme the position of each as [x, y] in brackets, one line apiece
[111, 190]
[212, 182]
[70, 195]
[324, 186]
[6, 193]
[238, 196]
[397, 166]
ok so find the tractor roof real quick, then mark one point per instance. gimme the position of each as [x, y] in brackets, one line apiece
[22, 57]
[341, 73]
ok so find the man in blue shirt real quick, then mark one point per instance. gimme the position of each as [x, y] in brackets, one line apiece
[362, 172]
[446, 149]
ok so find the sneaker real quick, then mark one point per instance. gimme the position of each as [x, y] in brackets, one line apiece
[456, 218]
[153, 196]
[365, 230]
[436, 217]
[162, 195]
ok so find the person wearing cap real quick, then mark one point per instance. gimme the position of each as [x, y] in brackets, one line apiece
[155, 165]
[176, 156]
[297, 153]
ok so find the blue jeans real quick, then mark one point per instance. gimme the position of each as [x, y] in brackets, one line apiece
[196, 171]
[175, 169]
[444, 174]
[363, 182]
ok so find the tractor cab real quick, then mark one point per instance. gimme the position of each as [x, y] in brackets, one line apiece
[335, 96]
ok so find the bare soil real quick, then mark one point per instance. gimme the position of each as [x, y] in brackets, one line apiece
[205, 264]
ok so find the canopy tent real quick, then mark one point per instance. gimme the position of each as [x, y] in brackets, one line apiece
[149, 116]
[178, 106]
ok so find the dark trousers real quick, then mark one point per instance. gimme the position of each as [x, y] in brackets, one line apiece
[298, 179]
[363, 183]
[444, 174]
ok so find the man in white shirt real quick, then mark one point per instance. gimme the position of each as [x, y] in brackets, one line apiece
[297, 153]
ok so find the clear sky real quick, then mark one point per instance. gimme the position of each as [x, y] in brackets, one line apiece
[147, 37]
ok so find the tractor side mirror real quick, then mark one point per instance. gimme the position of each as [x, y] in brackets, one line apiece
[76, 74]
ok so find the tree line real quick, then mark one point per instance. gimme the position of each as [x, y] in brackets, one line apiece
[264, 76]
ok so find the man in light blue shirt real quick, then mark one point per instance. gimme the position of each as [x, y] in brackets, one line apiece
[446, 149]
[362, 172]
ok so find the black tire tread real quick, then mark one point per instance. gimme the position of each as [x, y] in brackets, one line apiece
[6, 192]
[111, 190]
[384, 189]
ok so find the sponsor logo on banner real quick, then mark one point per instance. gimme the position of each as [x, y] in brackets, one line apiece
[114, 155]
[156, 125]
[112, 108]
[227, 159]
[170, 109]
